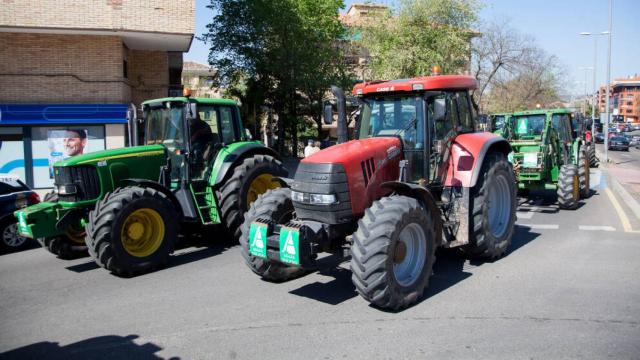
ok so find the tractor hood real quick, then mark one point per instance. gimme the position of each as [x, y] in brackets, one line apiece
[355, 151]
[121, 153]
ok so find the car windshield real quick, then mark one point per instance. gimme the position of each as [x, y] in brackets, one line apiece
[393, 116]
[164, 126]
[530, 125]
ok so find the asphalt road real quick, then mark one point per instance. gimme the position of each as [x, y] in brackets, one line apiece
[568, 288]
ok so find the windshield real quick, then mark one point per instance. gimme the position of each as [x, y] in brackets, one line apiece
[498, 122]
[530, 125]
[394, 116]
[164, 126]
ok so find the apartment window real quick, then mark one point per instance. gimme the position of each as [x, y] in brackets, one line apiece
[125, 63]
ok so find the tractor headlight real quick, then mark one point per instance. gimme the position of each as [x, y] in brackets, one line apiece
[67, 189]
[315, 199]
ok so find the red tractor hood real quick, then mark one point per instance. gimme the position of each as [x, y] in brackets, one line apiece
[367, 163]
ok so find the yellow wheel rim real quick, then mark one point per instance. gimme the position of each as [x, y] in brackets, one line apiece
[576, 187]
[142, 232]
[259, 186]
[76, 235]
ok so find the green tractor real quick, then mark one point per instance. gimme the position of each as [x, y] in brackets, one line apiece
[499, 124]
[548, 154]
[197, 167]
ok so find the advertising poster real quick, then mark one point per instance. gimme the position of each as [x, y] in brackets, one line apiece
[64, 144]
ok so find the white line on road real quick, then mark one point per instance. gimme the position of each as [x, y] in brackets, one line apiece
[527, 214]
[541, 226]
[596, 228]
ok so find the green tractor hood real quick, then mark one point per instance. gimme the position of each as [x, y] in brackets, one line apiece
[113, 154]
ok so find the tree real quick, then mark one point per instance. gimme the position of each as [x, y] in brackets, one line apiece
[285, 49]
[423, 33]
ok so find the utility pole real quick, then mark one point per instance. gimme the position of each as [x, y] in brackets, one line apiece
[606, 129]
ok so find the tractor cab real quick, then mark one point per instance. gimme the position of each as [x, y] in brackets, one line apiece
[500, 124]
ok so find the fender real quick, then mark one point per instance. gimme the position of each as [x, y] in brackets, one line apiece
[424, 196]
[156, 186]
[467, 156]
[229, 157]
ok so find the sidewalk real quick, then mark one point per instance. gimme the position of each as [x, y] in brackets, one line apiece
[625, 181]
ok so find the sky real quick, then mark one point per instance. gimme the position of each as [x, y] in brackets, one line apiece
[555, 24]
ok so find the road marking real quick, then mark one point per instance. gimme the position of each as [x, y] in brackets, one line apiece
[527, 214]
[541, 226]
[626, 225]
[596, 228]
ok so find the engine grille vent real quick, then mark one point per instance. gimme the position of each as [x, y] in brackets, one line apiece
[368, 168]
[84, 177]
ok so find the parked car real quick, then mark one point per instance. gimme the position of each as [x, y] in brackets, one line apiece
[634, 140]
[14, 195]
[599, 138]
[636, 127]
[619, 143]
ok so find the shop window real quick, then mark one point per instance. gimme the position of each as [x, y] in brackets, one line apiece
[12, 152]
[52, 144]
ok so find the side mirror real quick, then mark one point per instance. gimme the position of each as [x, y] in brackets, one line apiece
[439, 110]
[327, 113]
[191, 110]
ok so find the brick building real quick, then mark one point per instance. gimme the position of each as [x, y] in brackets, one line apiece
[82, 65]
[200, 78]
[624, 97]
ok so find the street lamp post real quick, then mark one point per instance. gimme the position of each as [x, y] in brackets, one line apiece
[595, 66]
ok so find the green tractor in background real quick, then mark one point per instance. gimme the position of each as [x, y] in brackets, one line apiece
[499, 124]
[548, 154]
[197, 167]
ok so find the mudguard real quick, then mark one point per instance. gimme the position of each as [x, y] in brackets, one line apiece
[467, 155]
[232, 155]
[159, 187]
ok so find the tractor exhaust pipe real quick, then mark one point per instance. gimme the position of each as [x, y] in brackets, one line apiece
[342, 113]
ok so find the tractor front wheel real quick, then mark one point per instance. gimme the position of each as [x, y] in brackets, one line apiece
[68, 246]
[273, 205]
[568, 187]
[132, 231]
[250, 179]
[493, 206]
[392, 255]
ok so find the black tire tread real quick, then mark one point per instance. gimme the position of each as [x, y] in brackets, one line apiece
[583, 168]
[565, 187]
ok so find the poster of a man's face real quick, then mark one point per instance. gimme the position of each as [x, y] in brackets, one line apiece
[64, 144]
[74, 142]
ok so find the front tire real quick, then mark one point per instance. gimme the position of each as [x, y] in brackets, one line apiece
[593, 160]
[493, 206]
[249, 180]
[273, 205]
[10, 239]
[68, 246]
[132, 231]
[392, 255]
[568, 187]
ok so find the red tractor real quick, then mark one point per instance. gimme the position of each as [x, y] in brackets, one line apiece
[416, 178]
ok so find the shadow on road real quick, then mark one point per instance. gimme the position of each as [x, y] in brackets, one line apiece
[101, 347]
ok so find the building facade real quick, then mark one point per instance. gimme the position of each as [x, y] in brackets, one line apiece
[624, 98]
[68, 67]
[201, 79]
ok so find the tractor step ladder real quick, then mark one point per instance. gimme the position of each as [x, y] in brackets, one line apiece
[206, 204]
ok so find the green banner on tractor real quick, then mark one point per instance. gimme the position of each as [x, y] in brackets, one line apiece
[289, 249]
[258, 240]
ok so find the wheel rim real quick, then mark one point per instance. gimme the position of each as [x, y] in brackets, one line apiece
[499, 205]
[586, 175]
[142, 232]
[11, 238]
[76, 235]
[409, 254]
[576, 187]
[259, 186]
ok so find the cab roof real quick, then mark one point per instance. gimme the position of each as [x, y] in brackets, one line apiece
[543, 111]
[424, 83]
[198, 100]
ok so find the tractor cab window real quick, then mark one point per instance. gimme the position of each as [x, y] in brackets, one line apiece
[465, 118]
[164, 127]
[498, 122]
[529, 126]
[562, 126]
[394, 116]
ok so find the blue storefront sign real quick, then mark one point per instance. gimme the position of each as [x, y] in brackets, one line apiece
[49, 114]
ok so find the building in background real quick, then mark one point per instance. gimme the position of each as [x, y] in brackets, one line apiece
[76, 68]
[200, 78]
[624, 97]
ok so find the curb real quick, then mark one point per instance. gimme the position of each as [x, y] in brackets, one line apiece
[617, 187]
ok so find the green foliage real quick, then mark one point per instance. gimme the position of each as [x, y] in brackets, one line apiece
[423, 33]
[280, 53]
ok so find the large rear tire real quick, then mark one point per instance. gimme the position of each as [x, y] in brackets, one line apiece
[132, 231]
[593, 160]
[68, 246]
[493, 206]
[275, 205]
[568, 187]
[584, 172]
[249, 180]
[392, 255]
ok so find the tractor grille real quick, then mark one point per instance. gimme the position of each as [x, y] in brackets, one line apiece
[84, 177]
[323, 179]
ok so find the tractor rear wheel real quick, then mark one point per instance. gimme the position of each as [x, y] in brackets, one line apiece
[493, 206]
[275, 205]
[568, 187]
[132, 230]
[392, 255]
[68, 246]
[250, 179]
[583, 172]
[591, 152]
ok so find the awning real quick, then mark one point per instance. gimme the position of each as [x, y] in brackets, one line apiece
[58, 114]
